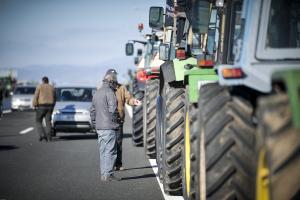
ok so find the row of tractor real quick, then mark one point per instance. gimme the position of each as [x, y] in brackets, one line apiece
[220, 85]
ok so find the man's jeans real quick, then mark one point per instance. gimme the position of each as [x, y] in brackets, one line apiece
[108, 151]
[44, 112]
[119, 146]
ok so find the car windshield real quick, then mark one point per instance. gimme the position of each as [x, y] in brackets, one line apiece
[75, 94]
[24, 90]
[284, 24]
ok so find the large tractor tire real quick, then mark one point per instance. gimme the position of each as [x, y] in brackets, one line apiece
[151, 93]
[226, 144]
[137, 117]
[173, 139]
[278, 174]
[189, 152]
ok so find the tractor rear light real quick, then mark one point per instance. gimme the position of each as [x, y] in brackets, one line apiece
[205, 63]
[155, 70]
[141, 75]
[232, 73]
[180, 54]
[141, 27]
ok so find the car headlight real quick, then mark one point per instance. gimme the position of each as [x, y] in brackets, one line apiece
[56, 111]
[86, 112]
[15, 100]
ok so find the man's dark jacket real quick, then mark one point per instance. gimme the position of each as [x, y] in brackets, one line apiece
[104, 114]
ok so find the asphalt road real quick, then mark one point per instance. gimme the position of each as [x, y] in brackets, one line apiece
[68, 167]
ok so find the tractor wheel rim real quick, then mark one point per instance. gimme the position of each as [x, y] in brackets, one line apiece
[262, 179]
[187, 155]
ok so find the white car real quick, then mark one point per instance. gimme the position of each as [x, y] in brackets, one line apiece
[72, 109]
[22, 98]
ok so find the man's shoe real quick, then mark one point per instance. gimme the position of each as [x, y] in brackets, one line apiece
[119, 168]
[104, 178]
[43, 138]
[114, 178]
[110, 178]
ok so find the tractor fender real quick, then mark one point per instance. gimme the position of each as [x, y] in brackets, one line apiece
[167, 71]
[174, 70]
[179, 67]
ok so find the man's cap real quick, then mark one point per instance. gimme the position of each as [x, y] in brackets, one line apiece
[111, 75]
[111, 71]
[45, 79]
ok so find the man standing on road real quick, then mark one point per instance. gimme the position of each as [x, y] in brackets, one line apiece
[44, 101]
[106, 120]
[123, 96]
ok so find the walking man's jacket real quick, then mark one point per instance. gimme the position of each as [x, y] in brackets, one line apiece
[44, 95]
[104, 114]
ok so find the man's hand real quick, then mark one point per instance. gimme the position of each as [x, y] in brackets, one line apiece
[137, 102]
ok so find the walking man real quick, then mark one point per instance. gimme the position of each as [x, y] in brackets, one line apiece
[123, 96]
[106, 120]
[44, 101]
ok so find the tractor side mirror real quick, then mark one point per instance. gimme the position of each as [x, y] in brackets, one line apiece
[129, 49]
[164, 52]
[156, 15]
[201, 15]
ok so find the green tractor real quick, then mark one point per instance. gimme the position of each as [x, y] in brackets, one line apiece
[185, 68]
[170, 101]
[213, 26]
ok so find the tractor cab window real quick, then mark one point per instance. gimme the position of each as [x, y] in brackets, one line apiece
[284, 24]
[235, 30]
[207, 42]
[279, 31]
[213, 32]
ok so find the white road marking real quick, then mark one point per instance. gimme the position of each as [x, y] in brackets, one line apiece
[154, 167]
[155, 170]
[6, 111]
[26, 130]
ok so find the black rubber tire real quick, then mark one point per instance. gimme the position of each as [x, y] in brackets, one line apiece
[281, 144]
[137, 117]
[151, 93]
[188, 151]
[227, 170]
[173, 140]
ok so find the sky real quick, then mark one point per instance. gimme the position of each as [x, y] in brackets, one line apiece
[71, 41]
